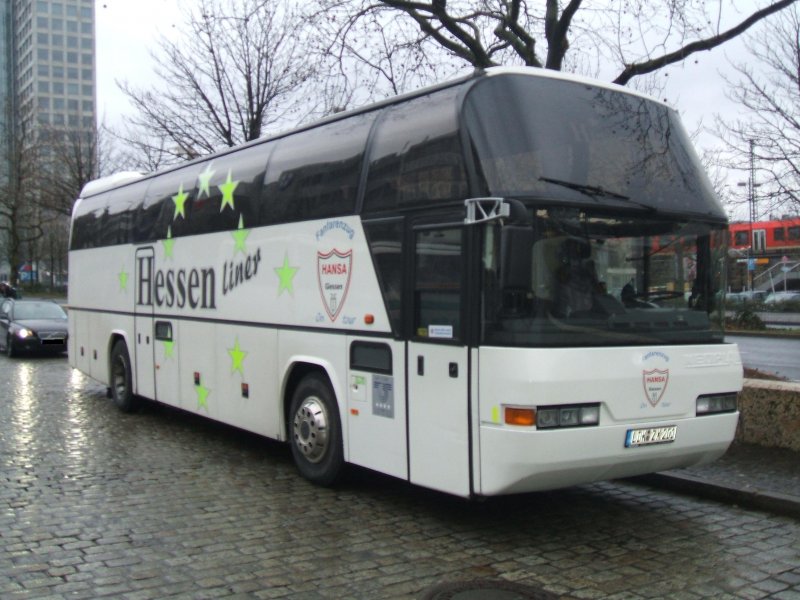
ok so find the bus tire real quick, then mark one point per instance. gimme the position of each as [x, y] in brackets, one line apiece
[121, 378]
[315, 431]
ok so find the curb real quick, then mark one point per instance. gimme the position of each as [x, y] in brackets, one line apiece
[780, 334]
[772, 502]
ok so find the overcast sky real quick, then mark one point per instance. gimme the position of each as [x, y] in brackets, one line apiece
[126, 31]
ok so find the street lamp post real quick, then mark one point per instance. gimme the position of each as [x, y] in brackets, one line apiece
[751, 200]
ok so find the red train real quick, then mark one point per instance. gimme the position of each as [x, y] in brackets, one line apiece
[769, 237]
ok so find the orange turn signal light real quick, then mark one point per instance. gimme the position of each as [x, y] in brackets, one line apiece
[369, 319]
[525, 417]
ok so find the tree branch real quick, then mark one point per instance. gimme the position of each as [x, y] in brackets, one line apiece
[649, 66]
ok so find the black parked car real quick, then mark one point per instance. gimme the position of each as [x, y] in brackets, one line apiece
[32, 326]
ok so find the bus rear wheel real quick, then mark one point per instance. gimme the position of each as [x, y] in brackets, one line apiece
[121, 378]
[315, 431]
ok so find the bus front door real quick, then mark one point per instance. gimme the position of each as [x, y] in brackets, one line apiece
[438, 365]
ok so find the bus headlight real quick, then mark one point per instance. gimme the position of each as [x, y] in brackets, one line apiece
[574, 415]
[711, 404]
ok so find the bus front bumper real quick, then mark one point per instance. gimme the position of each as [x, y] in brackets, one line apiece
[514, 460]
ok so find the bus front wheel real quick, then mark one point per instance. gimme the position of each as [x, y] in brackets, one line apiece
[121, 378]
[315, 431]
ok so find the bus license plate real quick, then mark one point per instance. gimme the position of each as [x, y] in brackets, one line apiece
[651, 435]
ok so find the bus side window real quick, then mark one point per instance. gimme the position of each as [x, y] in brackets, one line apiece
[437, 292]
[163, 331]
[385, 240]
[91, 219]
[416, 157]
[232, 196]
[314, 174]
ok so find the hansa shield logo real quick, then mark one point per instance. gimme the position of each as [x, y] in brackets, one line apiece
[333, 274]
[655, 384]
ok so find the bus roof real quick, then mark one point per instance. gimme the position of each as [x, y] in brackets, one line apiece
[126, 177]
[109, 182]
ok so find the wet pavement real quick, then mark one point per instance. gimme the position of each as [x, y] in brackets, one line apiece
[755, 468]
[751, 476]
[162, 504]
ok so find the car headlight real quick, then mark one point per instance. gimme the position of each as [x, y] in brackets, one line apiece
[23, 333]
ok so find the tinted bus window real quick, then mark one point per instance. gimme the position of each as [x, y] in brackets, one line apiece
[107, 219]
[385, 238]
[86, 223]
[159, 216]
[416, 155]
[148, 209]
[119, 219]
[228, 189]
[314, 174]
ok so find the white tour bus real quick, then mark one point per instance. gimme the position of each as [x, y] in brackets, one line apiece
[505, 283]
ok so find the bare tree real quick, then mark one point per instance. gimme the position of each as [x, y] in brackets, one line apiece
[371, 54]
[769, 89]
[238, 68]
[71, 159]
[20, 216]
[144, 152]
[628, 38]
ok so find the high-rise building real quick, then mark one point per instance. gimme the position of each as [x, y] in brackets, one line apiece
[47, 119]
[6, 75]
[53, 64]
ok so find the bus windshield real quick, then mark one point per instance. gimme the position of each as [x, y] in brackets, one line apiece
[576, 277]
[572, 142]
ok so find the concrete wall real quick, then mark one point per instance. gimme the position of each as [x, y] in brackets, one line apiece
[770, 414]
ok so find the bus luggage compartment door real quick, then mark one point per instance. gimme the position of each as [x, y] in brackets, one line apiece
[438, 402]
[376, 415]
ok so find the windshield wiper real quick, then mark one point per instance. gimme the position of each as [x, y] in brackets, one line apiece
[589, 190]
[594, 191]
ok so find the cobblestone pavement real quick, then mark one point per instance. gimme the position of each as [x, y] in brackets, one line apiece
[751, 467]
[95, 503]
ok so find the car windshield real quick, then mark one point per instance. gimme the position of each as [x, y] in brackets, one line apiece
[582, 278]
[38, 310]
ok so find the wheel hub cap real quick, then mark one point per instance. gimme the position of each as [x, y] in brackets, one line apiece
[310, 429]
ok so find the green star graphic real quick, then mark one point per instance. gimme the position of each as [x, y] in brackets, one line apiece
[180, 203]
[169, 348]
[237, 357]
[202, 396]
[168, 243]
[239, 237]
[204, 181]
[286, 275]
[123, 279]
[227, 189]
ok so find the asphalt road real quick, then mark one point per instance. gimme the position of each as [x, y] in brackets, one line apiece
[778, 356]
[96, 503]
